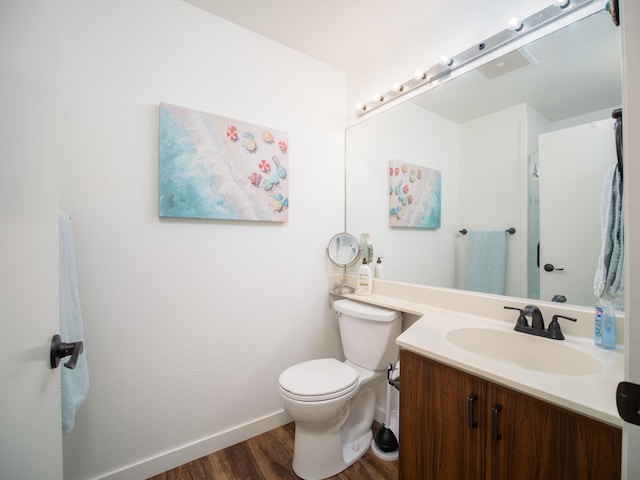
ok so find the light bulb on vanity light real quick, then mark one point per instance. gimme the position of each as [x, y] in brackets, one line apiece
[397, 87]
[361, 107]
[419, 75]
[446, 61]
[376, 97]
[515, 24]
[561, 3]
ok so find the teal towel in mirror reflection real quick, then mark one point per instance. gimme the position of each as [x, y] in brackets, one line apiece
[486, 261]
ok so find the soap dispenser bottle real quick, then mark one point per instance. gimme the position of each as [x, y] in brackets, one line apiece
[605, 325]
[378, 270]
[365, 282]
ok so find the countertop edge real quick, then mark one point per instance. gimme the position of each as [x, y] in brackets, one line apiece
[527, 389]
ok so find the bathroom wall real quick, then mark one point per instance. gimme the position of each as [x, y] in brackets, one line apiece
[188, 323]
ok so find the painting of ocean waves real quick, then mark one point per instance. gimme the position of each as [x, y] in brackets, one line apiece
[415, 194]
[213, 167]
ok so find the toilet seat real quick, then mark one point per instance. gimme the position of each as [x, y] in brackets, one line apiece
[318, 380]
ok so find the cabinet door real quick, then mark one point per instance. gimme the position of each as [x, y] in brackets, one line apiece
[522, 433]
[441, 425]
[531, 439]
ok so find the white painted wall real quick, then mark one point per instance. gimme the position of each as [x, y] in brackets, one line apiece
[411, 134]
[188, 323]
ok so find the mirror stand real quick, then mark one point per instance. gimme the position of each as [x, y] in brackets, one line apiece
[341, 286]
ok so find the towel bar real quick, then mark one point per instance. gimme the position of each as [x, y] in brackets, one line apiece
[510, 231]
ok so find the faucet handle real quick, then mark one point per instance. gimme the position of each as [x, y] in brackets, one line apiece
[522, 320]
[554, 327]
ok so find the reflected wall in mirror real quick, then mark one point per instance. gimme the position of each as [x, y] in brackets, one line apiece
[501, 135]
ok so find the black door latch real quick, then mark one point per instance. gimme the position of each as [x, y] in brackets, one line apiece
[628, 402]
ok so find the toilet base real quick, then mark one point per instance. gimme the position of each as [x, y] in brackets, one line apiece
[319, 453]
[317, 463]
[354, 450]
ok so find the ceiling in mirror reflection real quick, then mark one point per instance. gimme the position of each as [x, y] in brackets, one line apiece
[564, 74]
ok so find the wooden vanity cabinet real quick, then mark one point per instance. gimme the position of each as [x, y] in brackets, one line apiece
[454, 425]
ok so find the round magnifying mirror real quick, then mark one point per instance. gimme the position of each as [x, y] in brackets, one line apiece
[343, 249]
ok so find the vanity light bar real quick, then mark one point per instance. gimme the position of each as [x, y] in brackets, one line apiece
[443, 69]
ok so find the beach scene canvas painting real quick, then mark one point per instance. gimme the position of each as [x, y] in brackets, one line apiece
[214, 167]
[414, 195]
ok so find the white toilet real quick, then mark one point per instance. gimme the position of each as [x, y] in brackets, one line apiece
[332, 408]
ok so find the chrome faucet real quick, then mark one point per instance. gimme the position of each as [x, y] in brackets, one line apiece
[537, 323]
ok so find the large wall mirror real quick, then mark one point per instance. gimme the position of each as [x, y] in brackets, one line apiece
[523, 141]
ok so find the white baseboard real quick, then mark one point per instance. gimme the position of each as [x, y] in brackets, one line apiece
[186, 453]
[189, 452]
[380, 415]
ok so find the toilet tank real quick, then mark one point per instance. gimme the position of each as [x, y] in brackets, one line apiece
[368, 333]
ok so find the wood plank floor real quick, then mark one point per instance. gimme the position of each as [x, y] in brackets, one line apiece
[268, 457]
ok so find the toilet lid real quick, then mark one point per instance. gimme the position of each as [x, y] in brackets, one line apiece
[320, 379]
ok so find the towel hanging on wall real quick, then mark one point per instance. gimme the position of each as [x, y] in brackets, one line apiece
[609, 279]
[487, 261]
[74, 382]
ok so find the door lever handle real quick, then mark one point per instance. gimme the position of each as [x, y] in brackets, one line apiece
[550, 268]
[60, 350]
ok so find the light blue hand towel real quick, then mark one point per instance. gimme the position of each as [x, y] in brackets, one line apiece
[75, 383]
[487, 261]
[609, 279]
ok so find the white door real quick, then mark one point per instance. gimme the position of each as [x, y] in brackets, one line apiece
[30, 419]
[631, 121]
[573, 165]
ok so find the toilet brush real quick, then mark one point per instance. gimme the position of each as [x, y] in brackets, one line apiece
[385, 440]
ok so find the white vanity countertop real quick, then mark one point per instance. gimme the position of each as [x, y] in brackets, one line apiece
[590, 394]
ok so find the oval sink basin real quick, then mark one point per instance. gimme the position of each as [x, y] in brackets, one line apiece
[525, 351]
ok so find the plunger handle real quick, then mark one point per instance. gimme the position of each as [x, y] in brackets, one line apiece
[388, 418]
